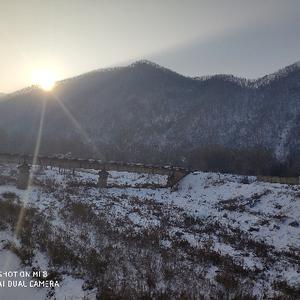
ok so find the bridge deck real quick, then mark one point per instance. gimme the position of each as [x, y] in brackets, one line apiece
[174, 174]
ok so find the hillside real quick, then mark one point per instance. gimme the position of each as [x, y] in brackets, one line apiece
[146, 113]
[216, 237]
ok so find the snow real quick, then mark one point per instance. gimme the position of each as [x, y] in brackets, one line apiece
[253, 83]
[114, 178]
[70, 289]
[200, 195]
[10, 262]
[263, 212]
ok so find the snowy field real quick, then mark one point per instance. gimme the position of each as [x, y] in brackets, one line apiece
[89, 176]
[247, 231]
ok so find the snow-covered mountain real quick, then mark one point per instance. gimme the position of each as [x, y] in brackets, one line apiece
[146, 113]
[217, 236]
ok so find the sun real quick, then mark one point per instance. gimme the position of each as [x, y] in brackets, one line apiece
[45, 79]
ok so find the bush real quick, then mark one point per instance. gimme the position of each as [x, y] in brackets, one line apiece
[9, 195]
[227, 280]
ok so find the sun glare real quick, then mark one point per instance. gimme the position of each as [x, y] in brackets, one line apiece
[44, 79]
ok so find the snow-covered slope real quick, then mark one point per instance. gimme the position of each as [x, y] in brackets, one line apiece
[216, 236]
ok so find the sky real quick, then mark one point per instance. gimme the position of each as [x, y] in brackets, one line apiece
[69, 37]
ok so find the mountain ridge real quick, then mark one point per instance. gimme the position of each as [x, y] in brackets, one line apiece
[231, 77]
[147, 113]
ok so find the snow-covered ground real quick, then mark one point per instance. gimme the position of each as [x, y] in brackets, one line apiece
[243, 228]
[115, 178]
[69, 288]
[10, 262]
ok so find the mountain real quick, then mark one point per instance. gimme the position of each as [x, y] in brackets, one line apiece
[146, 113]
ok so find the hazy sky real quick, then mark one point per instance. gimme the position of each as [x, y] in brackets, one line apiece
[69, 37]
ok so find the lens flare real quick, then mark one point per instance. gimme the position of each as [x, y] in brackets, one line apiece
[45, 79]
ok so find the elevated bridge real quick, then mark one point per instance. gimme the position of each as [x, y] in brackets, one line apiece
[175, 174]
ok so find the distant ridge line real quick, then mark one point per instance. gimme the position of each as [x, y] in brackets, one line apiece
[245, 82]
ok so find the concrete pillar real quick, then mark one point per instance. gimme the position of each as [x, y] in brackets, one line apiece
[171, 179]
[102, 178]
[23, 176]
